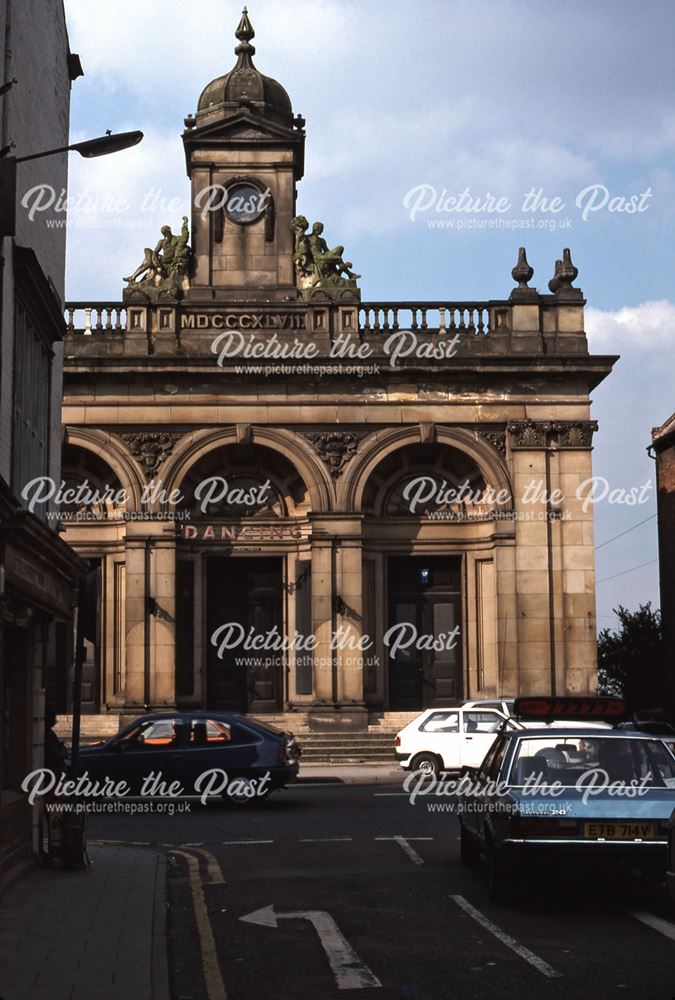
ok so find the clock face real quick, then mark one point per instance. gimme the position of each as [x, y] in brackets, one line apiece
[245, 203]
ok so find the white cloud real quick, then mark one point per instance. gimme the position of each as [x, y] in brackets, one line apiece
[632, 329]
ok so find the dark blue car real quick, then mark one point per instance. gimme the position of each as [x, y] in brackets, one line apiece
[207, 753]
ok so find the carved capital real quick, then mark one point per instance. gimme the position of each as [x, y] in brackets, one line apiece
[552, 434]
[529, 433]
[574, 433]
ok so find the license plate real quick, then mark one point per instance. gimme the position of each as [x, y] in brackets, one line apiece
[619, 831]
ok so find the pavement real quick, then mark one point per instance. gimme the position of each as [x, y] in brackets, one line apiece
[352, 774]
[98, 934]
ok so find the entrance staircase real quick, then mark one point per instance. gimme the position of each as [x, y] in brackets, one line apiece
[372, 746]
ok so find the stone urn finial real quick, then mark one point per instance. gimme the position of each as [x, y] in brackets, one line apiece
[554, 283]
[522, 272]
[565, 273]
[568, 272]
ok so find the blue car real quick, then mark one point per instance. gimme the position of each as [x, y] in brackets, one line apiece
[208, 753]
[568, 796]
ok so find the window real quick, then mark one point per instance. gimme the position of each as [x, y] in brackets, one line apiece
[567, 759]
[32, 375]
[498, 759]
[441, 722]
[207, 733]
[494, 759]
[154, 734]
[481, 722]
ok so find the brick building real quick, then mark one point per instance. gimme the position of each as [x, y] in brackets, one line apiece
[663, 449]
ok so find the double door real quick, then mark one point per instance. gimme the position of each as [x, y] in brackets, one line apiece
[425, 616]
[243, 609]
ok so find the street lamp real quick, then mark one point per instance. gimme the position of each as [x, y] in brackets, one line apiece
[89, 148]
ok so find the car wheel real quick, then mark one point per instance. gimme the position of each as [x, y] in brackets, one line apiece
[242, 792]
[427, 763]
[469, 848]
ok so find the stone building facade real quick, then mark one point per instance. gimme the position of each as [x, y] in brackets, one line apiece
[38, 571]
[401, 502]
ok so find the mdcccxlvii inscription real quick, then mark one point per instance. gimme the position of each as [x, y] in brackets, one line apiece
[243, 321]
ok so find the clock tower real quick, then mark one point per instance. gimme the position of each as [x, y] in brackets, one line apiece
[244, 152]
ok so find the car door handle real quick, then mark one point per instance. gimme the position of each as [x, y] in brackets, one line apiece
[467, 738]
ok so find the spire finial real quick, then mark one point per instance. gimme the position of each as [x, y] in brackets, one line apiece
[244, 30]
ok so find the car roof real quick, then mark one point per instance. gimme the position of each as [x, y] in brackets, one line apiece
[197, 713]
[581, 733]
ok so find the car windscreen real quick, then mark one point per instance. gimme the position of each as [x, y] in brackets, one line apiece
[549, 759]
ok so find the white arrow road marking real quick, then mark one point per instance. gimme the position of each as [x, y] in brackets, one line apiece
[349, 971]
[403, 843]
[656, 923]
[506, 939]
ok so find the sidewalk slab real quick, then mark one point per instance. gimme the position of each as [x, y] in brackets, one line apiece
[352, 774]
[68, 934]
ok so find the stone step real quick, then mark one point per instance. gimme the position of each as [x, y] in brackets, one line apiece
[357, 740]
[345, 737]
[308, 752]
[348, 758]
[91, 726]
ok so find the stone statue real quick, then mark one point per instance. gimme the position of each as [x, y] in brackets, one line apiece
[302, 257]
[317, 265]
[328, 262]
[163, 269]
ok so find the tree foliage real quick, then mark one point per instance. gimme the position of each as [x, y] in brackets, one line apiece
[631, 660]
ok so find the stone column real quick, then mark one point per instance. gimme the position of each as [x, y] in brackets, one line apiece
[322, 617]
[579, 653]
[135, 621]
[163, 623]
[350, 622]
[531, 569]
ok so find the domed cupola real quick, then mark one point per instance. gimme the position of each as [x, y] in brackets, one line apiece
[244, 87]
[244, 154]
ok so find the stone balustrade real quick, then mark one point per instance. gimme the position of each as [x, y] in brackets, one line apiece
[527, 322]
[90, 317]
[478, 318]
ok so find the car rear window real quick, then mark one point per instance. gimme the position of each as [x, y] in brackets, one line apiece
[566, 759]
[265, 726]
[209, 733]
[441, 722]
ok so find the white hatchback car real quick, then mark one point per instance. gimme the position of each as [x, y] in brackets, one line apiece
[448, 739]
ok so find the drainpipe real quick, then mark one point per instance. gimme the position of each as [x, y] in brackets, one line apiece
[334, 606]
[149, 544]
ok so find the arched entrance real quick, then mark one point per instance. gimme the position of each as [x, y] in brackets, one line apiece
[238, 561]
[429, 510]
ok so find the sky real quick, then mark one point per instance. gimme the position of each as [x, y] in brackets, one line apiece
[406, 105]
